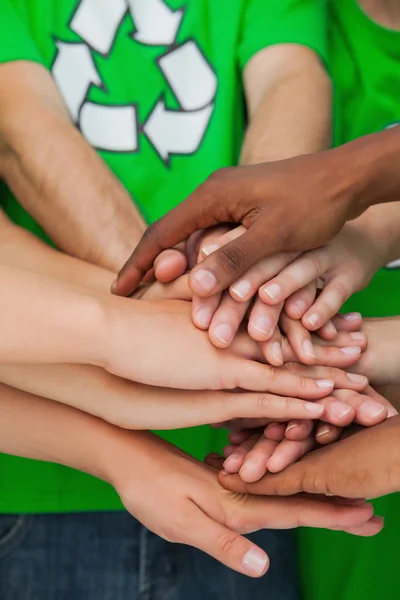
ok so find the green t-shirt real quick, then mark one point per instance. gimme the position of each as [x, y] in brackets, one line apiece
[156, 87]
[363, 59]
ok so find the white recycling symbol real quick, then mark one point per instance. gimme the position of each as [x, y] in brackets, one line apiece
[115, 128]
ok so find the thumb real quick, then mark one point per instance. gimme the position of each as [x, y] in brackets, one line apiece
[225, 265]
[170, 264]
[226, 546]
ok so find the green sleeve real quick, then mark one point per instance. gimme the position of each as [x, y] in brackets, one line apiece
[15, 40]
[269, 22]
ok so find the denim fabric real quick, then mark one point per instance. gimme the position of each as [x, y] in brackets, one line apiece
[110, 556]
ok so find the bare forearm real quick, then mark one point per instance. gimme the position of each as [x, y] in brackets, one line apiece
[45, 321]
[33, 427]
[22, 250]
[57, 176]
[289, 103]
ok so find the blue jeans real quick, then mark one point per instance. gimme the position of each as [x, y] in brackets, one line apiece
[110, 556]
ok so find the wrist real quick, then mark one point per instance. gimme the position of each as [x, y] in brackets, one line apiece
[369, 172]
[118, 319]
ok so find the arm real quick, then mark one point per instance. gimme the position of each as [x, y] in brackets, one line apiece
[291, 205]
[194, 509]
[289, 103]
[22, 250]
[56, 176]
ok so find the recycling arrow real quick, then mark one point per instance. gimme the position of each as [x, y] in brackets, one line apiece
[97, 22]
[189, 75]
[115, 127]
[74, 72]
[156, 24]
[112, 128]
[175, 131]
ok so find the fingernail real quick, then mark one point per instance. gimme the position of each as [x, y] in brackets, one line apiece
[292, 425]
[254, 562]
[313, 320]
[207, 250]
[263, 325]
[358, 336]
[300, 307]
[331, 327]
[224, 332]
[205, 279]
[339, 409]
[392, 412]
[351, 350]
[241, 289]
[325, 383]
[308, 349]
[314, 409]
[355, 316]
[355, 378]
[114, 285]
[277, 352]
[231, 457]
[324, 430]
[372, 409]
[272, 290]
[203, 317]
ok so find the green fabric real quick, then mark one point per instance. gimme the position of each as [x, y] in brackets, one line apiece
[227, 33]
[363, 60]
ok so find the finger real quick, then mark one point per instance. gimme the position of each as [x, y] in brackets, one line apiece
[284, 513]
[297, 304]
[226, 321]
[288, 452]
[235, 461]
[348, 321]
[275, 431]
[255, 462]
[203, 310]
[329, 302]
[341, 379]
[368, 411]
[343, 339]
[253, 376]
[272, 349]
[263, 320]
[299, 340]
[226, 546]
[328, 331]
[227, 264]
[170, 264]
[337, 411]
[304, 270]
[238, 437]
[327, 434]
[298, 429]
[176, 290]
[214, 460]
[368, 529]
[247, 286]
[212, 243]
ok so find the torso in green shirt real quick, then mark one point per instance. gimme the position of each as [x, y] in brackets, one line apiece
[364, 62]
[155, 86]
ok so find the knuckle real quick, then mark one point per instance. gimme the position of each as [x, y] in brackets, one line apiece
[264, 402]
[270, 373]
[218, 176]
[231, 258]
[226, 543]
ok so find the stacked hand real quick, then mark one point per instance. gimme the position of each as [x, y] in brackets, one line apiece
[280, 319]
